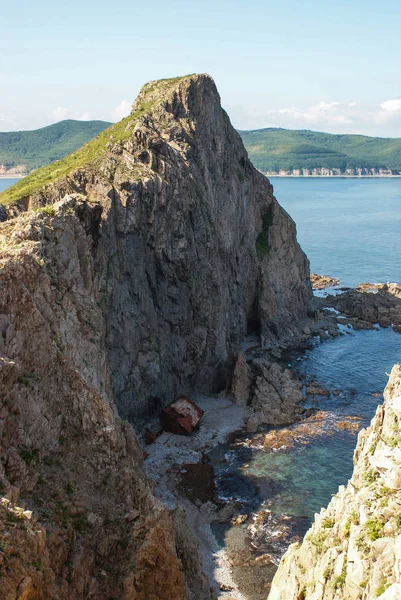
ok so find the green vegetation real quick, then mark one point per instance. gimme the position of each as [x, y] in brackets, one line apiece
[370, 476]
[37, 148]
[382, 587]
[29, 456]
[63, 167]
[262, 241]
[353, 519]
[275, 149]
[374, 527]
[328, 523]
[339, 581]
[152, 93]
[318, 540]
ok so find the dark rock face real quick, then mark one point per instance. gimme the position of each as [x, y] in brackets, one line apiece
[191, 253]
[135, 283]
[193, 248]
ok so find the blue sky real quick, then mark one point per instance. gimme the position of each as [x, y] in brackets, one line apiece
[328, 66]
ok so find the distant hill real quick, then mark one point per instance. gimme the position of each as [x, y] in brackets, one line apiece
[305, 152]
[23, 151]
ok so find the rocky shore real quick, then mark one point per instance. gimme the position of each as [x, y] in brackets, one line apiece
[353, 549]
[264, 392]
[130, 276]
[368, 306]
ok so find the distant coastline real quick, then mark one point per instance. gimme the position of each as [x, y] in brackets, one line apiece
[331, 176]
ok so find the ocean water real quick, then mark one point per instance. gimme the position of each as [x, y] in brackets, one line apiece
[349, 228]
[5, 183]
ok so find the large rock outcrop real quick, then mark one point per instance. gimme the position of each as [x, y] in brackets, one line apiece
[77, 519]
[353, 549]
[129, 272]
[192, 250]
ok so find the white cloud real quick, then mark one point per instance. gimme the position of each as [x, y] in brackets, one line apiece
[121, 111]
[332, 116]
[330, 113]
[392, 106]
[60, 113]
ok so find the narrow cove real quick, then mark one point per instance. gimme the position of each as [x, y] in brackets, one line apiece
[282, 485]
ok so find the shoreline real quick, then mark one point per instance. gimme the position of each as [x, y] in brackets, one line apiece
[13, 176]
[332, 176]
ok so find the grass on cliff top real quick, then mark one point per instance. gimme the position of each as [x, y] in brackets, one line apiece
[93, 150]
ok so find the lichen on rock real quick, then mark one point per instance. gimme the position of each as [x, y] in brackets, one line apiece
[353, 549]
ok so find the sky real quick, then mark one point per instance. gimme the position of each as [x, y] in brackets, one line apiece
[298, 64]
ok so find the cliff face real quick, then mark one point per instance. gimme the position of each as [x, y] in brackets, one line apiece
[192, 248]
[77, 519]
[129, 272]
[353, 549]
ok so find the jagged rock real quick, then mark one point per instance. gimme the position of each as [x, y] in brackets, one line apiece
[3, 213]
[276, 395]
[192, 246]
[353, 549]
[240, 385]
[132, 281]
[71, 469]
[369, 304]
[314, 390]
[320, 282]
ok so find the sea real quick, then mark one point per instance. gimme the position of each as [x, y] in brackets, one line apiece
[6, 183]
[349, 229]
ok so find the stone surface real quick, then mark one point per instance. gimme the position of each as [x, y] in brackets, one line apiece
[353, 549]
[276, 395]
[123, 284]
[193, 248]
[71, 470]
[368, 305]
[241, 382]
[320, 282]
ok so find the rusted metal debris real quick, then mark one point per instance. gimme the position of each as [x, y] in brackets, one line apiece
[151, 436]
[181, 416]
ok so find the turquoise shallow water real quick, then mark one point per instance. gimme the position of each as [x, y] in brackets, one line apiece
[348, 228]
[5, 183]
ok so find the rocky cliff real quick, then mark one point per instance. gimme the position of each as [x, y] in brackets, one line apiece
[129, 272]
[192, 248]
[353, 549]
[77, 518]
